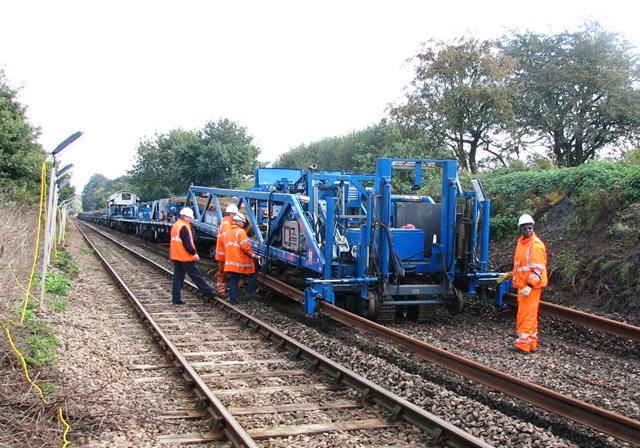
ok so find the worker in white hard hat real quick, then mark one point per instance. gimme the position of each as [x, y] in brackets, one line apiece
[529, 276]
[225, 225]
[182, 251]
[240, 259]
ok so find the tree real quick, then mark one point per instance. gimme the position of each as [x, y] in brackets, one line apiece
[461, 97]
[221, 154]
[94, 194]
[355, 152]
[21, 156]
[153, 175]
[578, 92]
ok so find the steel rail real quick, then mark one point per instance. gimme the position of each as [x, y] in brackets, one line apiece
[611, 423]
[608, 422]
[442, 433]
[603, 324]
[222, 418]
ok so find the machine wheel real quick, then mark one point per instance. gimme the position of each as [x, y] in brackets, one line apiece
[456, 304]
[369, 308]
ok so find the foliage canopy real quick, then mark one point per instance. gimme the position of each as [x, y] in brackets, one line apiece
[578, 92]
[21, 156]
[221, 153]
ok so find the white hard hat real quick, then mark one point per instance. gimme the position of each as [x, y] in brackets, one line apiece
[525, 219]
[231, 208]
[240, 217]
[186, 212]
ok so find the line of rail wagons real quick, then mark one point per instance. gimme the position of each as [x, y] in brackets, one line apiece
[402, 240]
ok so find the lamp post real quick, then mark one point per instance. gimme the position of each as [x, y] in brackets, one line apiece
[49, 232]
[63, 213]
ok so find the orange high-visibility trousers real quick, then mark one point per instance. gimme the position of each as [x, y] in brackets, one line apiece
[527, 320]
[221, 283]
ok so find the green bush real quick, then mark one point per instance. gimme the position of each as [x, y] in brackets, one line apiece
[596, 189]
[65, 263]
[56, 283]
[623, 273]
[567, 267]
[42, 343]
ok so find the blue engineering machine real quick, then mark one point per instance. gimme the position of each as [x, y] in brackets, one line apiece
[354, 241]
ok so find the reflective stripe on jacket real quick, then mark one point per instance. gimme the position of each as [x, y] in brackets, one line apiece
[530, 263]
[177, 251]
[224, 227]
[238, 253]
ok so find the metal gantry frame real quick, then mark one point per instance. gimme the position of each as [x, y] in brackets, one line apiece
[343, 232]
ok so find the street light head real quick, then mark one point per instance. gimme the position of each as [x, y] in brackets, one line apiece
[72, 138]
[63, 184]
[64, 170]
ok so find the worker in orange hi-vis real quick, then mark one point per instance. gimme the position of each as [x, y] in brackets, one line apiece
[240, 259]
[225, 225]
[529, 276]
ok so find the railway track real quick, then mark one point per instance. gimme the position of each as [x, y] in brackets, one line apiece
[247, 376]
[590, 321]
[595, 417]
[600, 419]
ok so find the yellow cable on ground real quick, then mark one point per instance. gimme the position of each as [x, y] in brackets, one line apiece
[66, 430]
[24, 363]
[43, 190]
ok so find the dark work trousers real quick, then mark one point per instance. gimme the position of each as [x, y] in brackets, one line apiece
[179, 270]
[234, 278]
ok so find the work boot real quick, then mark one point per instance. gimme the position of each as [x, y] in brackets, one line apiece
[516, 349]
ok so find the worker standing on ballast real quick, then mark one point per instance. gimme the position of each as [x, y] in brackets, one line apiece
[224, 227]
[529, 276]
[182, 251]
[239, 259]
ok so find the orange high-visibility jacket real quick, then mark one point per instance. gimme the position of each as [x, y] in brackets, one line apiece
[177, 251]
[225, 225]
[530, 263]
[238, 253]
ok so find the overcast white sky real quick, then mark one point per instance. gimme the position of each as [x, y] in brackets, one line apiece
[291, 72]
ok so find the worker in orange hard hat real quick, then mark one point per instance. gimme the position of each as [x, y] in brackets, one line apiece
[239, 259]
[529, 276]
[182, 251]
[224, 226]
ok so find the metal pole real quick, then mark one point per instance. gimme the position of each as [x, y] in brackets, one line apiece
[47, 232]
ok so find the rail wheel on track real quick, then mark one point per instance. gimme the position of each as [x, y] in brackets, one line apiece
[456, 304]
[369, 308]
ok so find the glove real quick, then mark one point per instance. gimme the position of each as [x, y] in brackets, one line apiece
[503, 277]
[526, 291]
